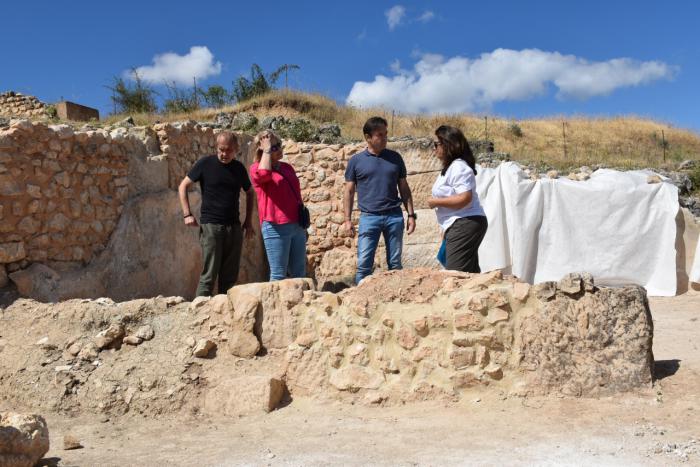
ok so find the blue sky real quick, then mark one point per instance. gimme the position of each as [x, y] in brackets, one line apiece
[515, 59]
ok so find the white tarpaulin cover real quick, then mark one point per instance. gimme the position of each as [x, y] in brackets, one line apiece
[695, 271]
[615, 226]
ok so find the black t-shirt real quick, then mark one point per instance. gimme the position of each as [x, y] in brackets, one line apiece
[221, 185]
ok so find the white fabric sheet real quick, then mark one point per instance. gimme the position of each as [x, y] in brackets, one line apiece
[615, 226]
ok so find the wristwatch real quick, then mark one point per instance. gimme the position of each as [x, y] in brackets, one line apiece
[414, 215]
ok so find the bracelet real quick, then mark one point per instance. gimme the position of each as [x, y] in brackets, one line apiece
[188, 215]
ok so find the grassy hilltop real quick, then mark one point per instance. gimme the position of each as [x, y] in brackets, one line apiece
[623, 142]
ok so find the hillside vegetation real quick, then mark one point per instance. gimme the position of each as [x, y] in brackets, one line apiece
[562, 142]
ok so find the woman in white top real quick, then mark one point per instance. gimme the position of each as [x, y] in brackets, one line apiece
[456, 202]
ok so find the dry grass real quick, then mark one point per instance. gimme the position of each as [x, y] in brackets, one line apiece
[625, 142]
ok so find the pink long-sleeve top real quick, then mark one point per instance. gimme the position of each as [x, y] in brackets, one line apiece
[277, 203]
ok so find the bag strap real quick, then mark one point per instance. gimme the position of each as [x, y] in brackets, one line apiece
[291, 187]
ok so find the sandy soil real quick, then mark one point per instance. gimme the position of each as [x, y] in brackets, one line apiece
[660, 425]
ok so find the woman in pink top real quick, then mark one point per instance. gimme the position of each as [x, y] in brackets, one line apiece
[279, 196]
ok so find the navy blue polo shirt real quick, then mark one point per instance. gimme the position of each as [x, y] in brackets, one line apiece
[376, 179]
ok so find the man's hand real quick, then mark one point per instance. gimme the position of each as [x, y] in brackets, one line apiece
[191, 221]
[248, 229]
[349, 227]
[410, 225]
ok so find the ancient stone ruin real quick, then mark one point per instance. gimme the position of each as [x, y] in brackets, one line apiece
[400, 336]
[91, 233]
[15, 104]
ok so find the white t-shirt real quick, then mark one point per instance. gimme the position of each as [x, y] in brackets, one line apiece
[459, 178]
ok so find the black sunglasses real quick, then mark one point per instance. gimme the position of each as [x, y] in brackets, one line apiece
[275, 147]
[436, 144]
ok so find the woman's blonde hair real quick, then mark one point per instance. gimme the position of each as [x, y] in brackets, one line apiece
[274, 139]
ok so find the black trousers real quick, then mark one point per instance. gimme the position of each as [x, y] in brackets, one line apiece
[462, 242]
[221, 257]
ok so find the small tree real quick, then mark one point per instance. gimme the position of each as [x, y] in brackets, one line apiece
[257, 85]
[180, 100]
[139, 98]
[283, 69]
[216, 96]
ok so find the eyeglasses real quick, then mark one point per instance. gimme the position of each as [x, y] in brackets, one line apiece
[274, 148]
[436, 144]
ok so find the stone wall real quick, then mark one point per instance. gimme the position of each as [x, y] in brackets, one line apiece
[182, 145]
[62, 195]
[424, 334]
[321, 171]
[15, 104]
[62, 192]
[400, 336]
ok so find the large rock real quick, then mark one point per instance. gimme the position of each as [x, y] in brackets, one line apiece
[265, 309]
[37, 281]
[425, 334]
[244, 395]
[11, 252]
[243, 344]
[595, 342]
[24, 439]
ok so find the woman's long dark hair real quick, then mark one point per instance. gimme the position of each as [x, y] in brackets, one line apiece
[455, 146]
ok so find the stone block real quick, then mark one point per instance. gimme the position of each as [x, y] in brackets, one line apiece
[243, 344]
[67, 110]
[244, 395]
[24, 439]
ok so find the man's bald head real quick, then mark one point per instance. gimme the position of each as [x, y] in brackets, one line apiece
[226, 146]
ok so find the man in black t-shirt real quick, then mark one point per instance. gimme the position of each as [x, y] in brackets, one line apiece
[221, 179]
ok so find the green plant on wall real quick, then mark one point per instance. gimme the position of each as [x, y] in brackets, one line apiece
[51, 112]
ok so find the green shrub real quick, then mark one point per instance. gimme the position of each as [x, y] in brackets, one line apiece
[180, 100]
[515, 130]
[694, 176]
[139, 98]
[216, 96]
[51, 112]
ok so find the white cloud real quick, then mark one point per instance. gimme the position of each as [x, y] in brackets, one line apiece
[426, 16]
[394, 16]
[395, 66]
[171, 67]
[459, 84]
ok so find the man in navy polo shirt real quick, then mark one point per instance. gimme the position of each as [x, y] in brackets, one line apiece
[379, 175]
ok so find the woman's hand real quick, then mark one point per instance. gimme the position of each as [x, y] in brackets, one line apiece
[265, 144]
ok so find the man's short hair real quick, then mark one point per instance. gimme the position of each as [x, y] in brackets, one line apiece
[228, 136]
[373, 124]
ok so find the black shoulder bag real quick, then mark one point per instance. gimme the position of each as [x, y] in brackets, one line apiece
[304, 215]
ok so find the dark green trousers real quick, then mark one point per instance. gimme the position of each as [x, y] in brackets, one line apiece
[221, 256]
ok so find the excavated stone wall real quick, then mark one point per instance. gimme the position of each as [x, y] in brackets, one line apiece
[400, 336]
[62, 192]
[424, 334]
[62, 195]
[15, 104]
[80, 216]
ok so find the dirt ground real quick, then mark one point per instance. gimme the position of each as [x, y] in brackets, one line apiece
[658, 426]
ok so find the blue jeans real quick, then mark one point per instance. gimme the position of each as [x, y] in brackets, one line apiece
[285, 245]
[372, 226]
